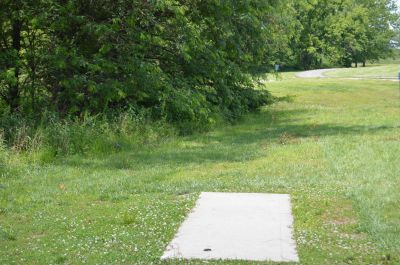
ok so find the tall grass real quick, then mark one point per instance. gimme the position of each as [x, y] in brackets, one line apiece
[3, 157]
[89, 135]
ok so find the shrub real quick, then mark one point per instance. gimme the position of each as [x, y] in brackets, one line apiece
[189, 111]
[244, 100]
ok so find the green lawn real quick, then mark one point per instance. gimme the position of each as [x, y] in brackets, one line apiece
[335, 149]
[373, 71]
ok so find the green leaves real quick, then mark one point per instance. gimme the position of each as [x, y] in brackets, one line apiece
[345, 32]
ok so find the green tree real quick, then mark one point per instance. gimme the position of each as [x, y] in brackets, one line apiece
[344, 31]
[185, 61]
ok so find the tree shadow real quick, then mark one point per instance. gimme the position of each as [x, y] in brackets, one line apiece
[237, 143]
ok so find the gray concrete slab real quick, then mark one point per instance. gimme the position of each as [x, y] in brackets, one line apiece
[237, 226]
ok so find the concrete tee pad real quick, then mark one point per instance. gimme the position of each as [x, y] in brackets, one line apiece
[237, 226]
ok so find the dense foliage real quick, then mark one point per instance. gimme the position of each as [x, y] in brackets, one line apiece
[343, 32]
[183, 60]
[188, 63]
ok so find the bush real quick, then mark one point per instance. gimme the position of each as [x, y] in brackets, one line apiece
[189, 111]
[244, 100]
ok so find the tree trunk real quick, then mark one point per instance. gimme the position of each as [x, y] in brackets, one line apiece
[356, 63]
[364, 63]
[14, 90]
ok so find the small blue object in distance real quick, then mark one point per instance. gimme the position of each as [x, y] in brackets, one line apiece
[399, 75]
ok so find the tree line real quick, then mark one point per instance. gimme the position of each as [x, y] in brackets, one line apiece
[186, 62]
[344, 32]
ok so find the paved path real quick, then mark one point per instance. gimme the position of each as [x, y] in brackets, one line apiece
[314, 73]
[320, 73]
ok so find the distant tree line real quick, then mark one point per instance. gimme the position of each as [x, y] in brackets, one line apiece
[189, 62]
[343, 32]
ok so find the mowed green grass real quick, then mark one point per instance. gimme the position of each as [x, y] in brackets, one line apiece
[371, 71]
[335, 149]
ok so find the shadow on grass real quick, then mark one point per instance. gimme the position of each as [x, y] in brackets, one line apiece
[233, 144]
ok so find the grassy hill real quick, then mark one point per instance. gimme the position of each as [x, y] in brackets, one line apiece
[335, 149]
